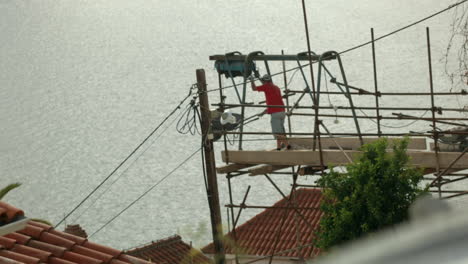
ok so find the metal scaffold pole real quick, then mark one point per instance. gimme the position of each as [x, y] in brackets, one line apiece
[213, 196]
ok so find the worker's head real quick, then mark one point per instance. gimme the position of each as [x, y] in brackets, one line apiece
[265, 78]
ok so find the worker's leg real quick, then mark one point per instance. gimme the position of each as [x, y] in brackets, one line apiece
[281, 141]
[284, 139]
[277, 128]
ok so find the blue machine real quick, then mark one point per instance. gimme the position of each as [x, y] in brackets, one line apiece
[232, 69]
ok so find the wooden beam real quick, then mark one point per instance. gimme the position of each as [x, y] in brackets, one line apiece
[351, 143]
[210, 166]
[423, 159]
[265, 169]
[446, 147]
[233, 167]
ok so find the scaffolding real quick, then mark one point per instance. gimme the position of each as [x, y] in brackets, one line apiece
[440, 152]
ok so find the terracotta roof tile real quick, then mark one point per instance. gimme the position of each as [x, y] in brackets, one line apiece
[7, 242]
[80, 259]
[41, 243]
[57, 240]
[3, 214]
[92, 253]
[55, 250]
[32, 252]
[116, 261]
[4, 260]
[76, 230]
[101, 248]
[19, 257]
[32, 231]
[78, 240]
[258, 235]
[8, 213]
[55, 260]
[170, 250]
[131, 259]
[41, 225]
[20, 238]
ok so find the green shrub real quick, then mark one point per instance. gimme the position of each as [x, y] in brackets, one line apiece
[374, 192]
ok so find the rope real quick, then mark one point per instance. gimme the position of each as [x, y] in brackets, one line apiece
[145, 193]
[126, 159]
[365, 43]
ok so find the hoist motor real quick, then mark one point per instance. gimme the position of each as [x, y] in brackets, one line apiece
[234, 68]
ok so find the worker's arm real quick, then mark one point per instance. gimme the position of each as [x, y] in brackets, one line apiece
[252, 83]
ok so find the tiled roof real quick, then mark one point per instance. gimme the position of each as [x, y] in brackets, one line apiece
[171, 250]
[41, 243]
[258, 236]
[9, 213]
[76, 230]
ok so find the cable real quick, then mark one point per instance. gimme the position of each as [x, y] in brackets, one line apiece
[205, 177]
[128, 157]
[125, 171]
[365, 43]
[405, 27]
[187, 122]
[145, 193]
[257, 139]
[291, 78]
[387, 126]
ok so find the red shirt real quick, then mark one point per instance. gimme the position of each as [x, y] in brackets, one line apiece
[273, 97]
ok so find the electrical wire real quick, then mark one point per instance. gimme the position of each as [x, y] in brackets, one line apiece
[188, 120]
[145, 193]
[365, 43]
[203, 141]
[125, 171]
[405, 27]
[387, 126]
[127, 158]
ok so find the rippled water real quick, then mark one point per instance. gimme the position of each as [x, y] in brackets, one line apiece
[82, 83]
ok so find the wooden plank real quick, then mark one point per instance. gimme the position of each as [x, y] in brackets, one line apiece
[446, 147]
[265, 169]
[424, 159]
[351, 143]
[232, 167]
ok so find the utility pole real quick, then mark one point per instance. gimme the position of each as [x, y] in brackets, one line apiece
[213, 197]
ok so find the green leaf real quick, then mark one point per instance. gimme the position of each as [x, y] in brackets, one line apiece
[8, 188]
[376, 192]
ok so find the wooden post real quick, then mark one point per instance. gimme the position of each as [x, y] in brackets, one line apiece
[434, 123]
[379, 131]
[213, 197]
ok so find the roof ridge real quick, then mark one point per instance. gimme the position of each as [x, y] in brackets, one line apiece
[156, 244]
[170, 250]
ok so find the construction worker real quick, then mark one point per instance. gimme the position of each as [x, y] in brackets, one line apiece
[273, 98]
